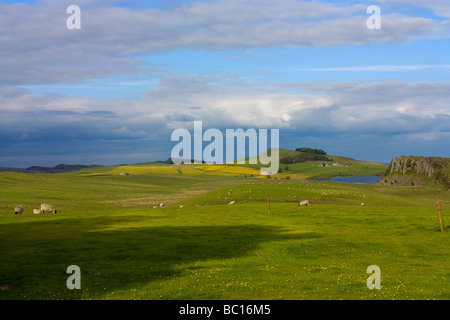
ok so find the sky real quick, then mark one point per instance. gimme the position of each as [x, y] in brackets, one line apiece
[113, 91]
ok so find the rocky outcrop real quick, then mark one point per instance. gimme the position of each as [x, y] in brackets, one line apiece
[412, 170]
[422, 165]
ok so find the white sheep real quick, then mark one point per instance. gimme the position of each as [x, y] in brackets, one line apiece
[303, 203]
[18, 209]
[47, 208]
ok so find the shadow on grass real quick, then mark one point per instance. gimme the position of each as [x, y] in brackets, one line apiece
[112, 260]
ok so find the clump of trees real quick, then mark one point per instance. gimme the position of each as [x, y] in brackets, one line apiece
[309, 150]
[306, 154]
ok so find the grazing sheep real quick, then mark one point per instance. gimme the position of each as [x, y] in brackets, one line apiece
[47, 208]
[18, 210]
[161, 205]
[37, 211]
[303, 203]
[232, 202]
[362, 204]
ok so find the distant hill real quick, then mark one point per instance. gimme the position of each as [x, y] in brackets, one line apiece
[60, 168]
[415, 170]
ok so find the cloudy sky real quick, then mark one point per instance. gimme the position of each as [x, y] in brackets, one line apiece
[113, 91]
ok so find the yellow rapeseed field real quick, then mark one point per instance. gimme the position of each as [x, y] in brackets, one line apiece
[227, 170]
[144, 170]
[183, 169]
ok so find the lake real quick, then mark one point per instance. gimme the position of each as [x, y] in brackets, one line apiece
[354, 179]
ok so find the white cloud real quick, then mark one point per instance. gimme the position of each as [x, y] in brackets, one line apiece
[425, 136]
[325, 111]
[37, 47]
[439, 7]
[317, 106]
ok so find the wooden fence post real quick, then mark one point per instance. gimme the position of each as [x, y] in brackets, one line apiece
[438, 205]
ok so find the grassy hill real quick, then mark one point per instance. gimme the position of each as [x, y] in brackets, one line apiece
[333, 166]
[325, 169]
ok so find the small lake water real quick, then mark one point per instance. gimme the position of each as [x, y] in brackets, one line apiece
[354, 179]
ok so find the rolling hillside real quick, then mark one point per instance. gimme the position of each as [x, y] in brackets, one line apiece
[315, 169]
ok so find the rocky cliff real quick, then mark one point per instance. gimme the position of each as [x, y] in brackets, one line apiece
[412, 170]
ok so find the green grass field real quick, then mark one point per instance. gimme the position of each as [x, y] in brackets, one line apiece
[208, 249]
